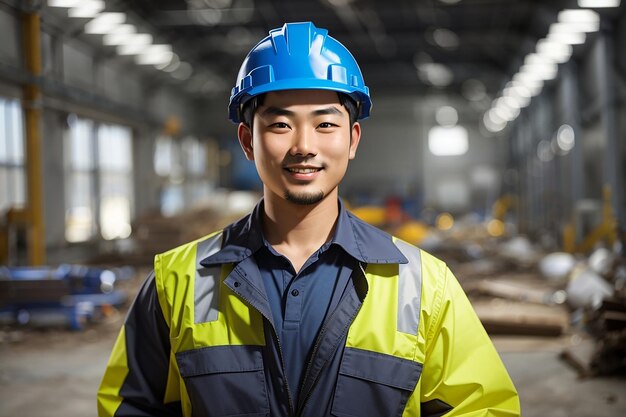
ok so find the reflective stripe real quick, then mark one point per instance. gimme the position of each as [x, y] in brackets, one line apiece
[409, 289]
[206, 283]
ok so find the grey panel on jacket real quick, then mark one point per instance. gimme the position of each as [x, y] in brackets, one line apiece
[409, 289]
[207, 282]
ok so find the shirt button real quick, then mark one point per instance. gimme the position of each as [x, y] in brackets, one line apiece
[295, 293]
[236, 283]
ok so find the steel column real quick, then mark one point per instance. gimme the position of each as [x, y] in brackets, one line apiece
[32, 112]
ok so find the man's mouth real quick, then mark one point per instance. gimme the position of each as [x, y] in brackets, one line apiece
[303, 170]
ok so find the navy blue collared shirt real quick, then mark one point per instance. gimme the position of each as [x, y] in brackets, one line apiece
[300, 302]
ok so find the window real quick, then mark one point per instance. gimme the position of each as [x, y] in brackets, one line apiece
[168, 166]
[80, 195]
[99, 180]
[197, 186]
[12, 176]
[116, 180]
[183, 168]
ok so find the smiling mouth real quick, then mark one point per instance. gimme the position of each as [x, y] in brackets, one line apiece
[303, 170]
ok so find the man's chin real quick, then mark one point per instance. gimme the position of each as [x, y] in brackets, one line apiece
[304, 199]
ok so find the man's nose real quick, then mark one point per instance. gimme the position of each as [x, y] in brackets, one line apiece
[303, 143]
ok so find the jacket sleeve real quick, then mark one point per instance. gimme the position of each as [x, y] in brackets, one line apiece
[463, 374]
[136, 375]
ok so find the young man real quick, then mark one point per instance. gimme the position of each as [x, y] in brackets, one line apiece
[301, 309]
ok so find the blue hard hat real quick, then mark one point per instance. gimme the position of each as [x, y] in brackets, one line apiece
[299, 56]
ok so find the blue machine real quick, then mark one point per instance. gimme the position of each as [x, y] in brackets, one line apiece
[77, 292]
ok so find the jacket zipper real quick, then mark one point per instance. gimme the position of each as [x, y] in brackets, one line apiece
[343, 333]
[315, 348]
[280, 350]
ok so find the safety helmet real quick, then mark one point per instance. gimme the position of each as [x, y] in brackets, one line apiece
[298, 56]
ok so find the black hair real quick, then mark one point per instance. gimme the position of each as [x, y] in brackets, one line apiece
[250, 107]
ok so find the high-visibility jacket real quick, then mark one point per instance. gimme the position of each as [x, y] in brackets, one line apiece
[403, 341]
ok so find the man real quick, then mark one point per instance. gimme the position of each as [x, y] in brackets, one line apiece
[301, 309]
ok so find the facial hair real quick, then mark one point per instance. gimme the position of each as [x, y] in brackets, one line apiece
[304, 199]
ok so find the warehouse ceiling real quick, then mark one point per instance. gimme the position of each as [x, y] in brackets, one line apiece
[401, 45]
[468, 47]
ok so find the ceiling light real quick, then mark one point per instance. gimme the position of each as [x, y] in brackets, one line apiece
[573, 38]
[87, 9]
[596, 4]
[503, 113]
[544, 151]
[119, 35]
[516, 89]
[535, 90]
[565, 138]
[574, 28]
[510, 102]
[170, 66]
[155, 55]
[536, 59]
[529, 81]
[509, 105]
[493, 123]
[63, 3]
[448, 140]
[541, 71]
[533, 85]
[585, 20]
[494, 117]
[447, 116]
[519, 93]
[445, 38]
[135, 44]
[502, 108]
[436, 74]
[559, 52]
[104, 23]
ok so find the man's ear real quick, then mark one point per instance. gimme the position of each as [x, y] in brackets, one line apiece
[355, 138]
[245, 140]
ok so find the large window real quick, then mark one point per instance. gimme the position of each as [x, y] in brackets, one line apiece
[116, 176]
[184, 171]
[80, 191]
[12, 178]
[195, 155]
[99, 180]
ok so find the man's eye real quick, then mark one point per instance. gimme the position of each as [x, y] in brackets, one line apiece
[280, 125]
[326, 125]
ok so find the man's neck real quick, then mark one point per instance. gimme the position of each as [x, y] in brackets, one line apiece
[297, 231]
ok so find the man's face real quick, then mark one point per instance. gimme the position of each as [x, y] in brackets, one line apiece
[301, 144]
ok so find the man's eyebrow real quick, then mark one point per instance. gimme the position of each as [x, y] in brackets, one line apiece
[327, 111]
[276, 111]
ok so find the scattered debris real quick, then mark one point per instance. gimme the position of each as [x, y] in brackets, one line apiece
[557, 266]
[503, 317]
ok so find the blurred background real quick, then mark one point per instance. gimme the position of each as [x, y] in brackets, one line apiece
[497, 142]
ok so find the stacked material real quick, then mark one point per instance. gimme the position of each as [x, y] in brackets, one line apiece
[518, 289]
[597, 293]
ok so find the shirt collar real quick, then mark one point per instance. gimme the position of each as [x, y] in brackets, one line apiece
[359, 239]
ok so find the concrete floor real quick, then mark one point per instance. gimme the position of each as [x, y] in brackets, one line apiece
[56, 373]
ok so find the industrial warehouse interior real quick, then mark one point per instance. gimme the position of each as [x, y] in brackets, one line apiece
[496, 142]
